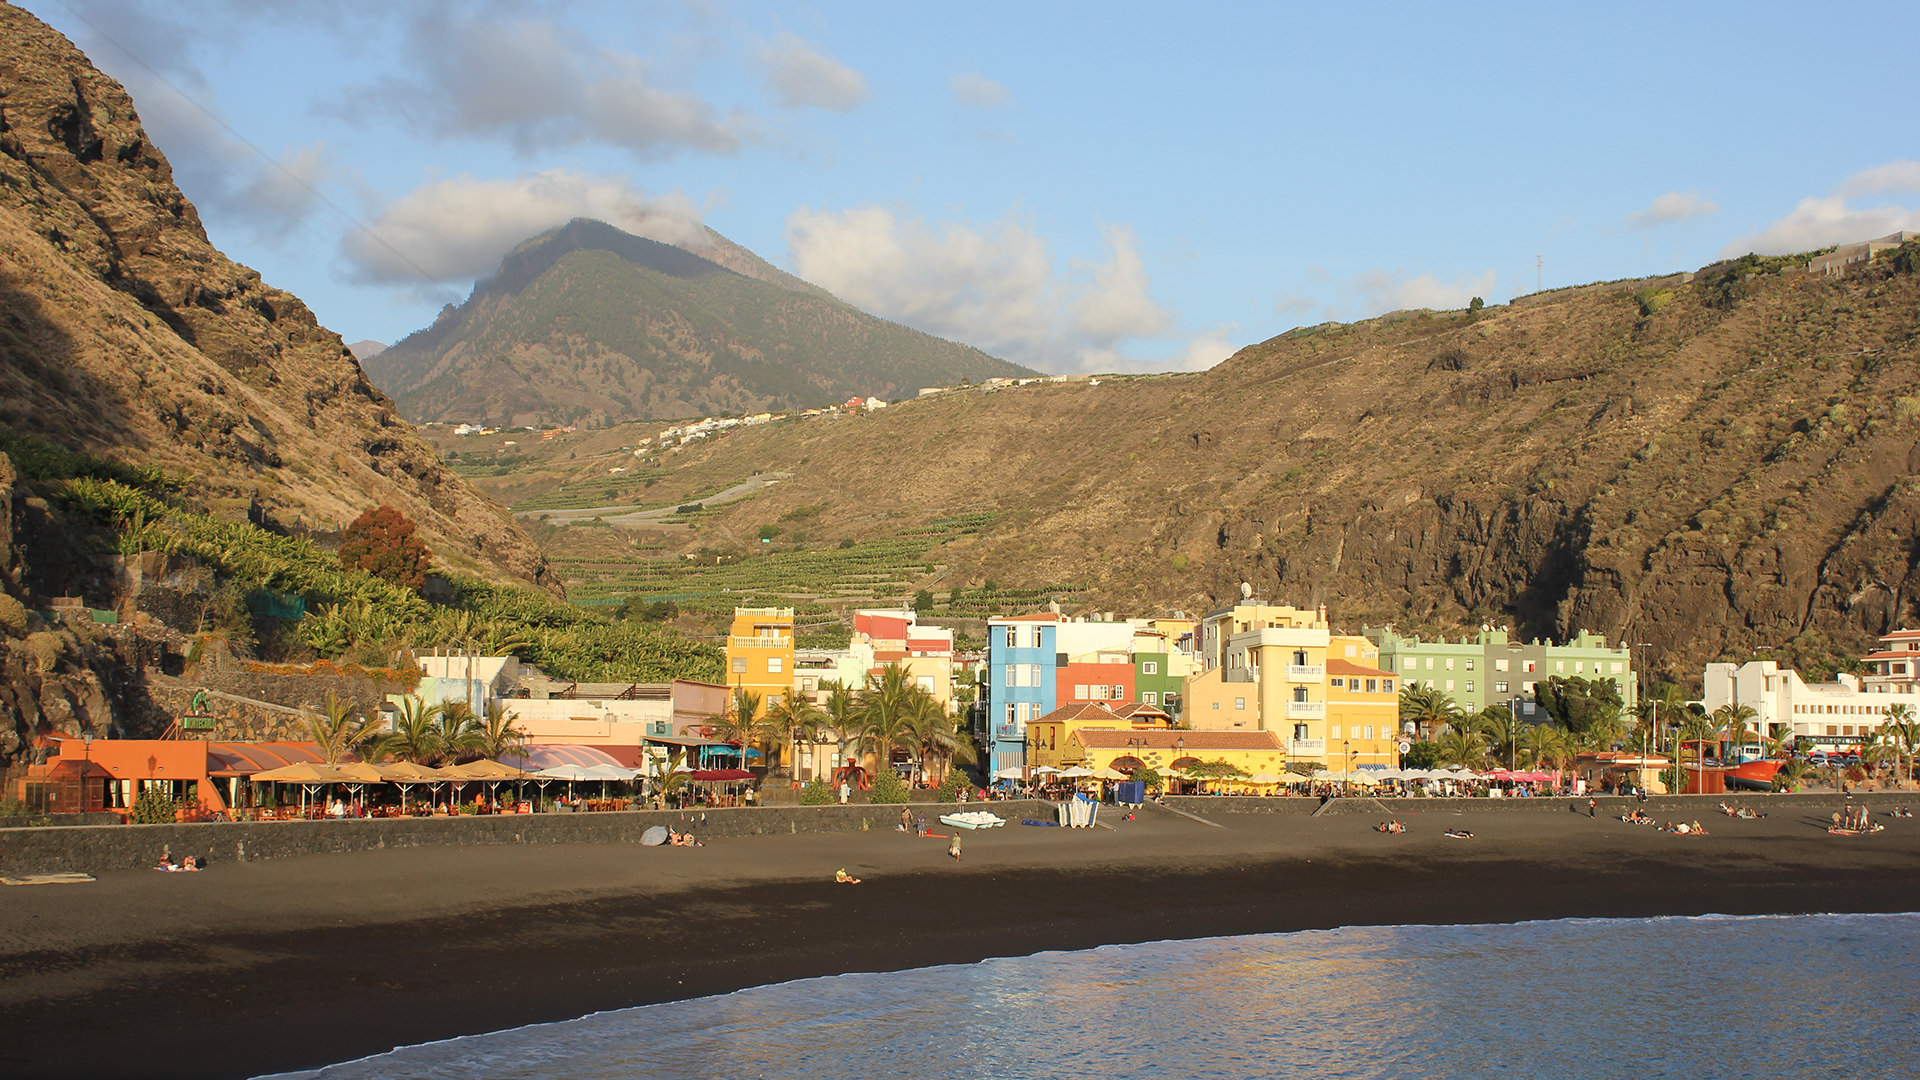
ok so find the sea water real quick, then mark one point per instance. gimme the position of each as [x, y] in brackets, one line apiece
[1766, 996]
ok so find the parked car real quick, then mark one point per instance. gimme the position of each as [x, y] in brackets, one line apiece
[1818, 757]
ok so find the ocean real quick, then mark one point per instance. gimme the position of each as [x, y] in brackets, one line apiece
[1713, 996]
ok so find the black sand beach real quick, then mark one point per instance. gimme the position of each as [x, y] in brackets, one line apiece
[268, 966]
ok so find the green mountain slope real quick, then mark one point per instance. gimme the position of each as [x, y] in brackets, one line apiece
[590, 325]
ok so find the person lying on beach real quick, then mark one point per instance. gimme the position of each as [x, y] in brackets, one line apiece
[841, 876]
[1390, 827]
[680, 839]
[1459, 834]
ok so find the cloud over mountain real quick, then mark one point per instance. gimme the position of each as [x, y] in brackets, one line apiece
[1836, 218]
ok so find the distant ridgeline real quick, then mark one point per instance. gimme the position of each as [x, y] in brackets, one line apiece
[590, 325]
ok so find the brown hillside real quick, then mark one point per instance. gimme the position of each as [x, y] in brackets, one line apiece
[124, 332]
[1731, 472]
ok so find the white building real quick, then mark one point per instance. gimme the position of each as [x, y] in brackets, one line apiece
[1844, 712]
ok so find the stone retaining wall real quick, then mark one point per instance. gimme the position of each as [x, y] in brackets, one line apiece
[133, 847]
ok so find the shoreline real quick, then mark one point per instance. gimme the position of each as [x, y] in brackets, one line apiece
[303, 962]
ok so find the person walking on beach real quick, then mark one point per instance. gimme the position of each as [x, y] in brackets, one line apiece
[953, 847]
[1593, 808]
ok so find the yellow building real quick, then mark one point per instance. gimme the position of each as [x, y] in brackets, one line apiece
[1254, 752]
[1363, 716]
[1050, 738]
[1265, 670]
[760, 653]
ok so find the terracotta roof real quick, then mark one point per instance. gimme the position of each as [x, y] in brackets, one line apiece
[1900, 634]
[1137, 709]
[1082, 710]
[1191, 741]
[1337, 666]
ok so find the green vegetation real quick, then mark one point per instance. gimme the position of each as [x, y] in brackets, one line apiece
[384, 542]
[887, 788]
[352, 612]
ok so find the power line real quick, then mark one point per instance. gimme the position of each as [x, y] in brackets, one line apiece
[262, 154]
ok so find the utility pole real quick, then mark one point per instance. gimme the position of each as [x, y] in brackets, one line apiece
[1539, 274]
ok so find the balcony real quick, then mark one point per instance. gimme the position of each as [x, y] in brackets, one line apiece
[1008, 731]
[1306, 710]
[1306, 672]
[1306, 747]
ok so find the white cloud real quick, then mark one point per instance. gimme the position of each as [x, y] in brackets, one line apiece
[1825, 220]
[457, 230]
[1671, 207]
[992, 286]
[978, 91]
[804, 76]
[1296, 304]
[1205, 351]
[1116, 303]
[1378, 291]
[541, 87]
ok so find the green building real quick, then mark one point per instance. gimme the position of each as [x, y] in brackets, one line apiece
[1489, 668]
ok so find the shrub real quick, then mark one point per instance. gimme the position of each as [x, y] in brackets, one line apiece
[817, 792]
[13, 616]
[768, 532]
[383, 543]
[1151, 777]
[950, 788]
[888, 788]
[153, 808]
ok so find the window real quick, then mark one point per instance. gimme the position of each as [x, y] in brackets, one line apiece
[1369, 733]
[1407, 664]
[1338, 683]
[1618, 667]
[1429, 663]
[1528, 667]
[1526, 687]
[1499, 688]
[1300, 657]
[740, 664]
[1353, 650]
[1580, 667]
[1080, 692]
[1449, 663]
[1300, 693]
[1373, 684]
[1011, 715]
[1386, 686]
[1469, 686]
[1334, 732]
[1560, 666]
[1013, 637]
[775, 665]
[1300, 731]
[1150, 667]
[1239, 703]
[1449, 686]
[1149, 698]
[1469, 664]
[1216, 706]
[1119, 693]
[1500, 663]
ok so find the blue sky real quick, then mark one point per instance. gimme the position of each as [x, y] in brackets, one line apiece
[1071, 186]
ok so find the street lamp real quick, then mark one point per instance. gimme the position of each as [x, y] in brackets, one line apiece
[86, 771]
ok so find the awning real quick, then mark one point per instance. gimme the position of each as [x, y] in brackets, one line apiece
[717, 775]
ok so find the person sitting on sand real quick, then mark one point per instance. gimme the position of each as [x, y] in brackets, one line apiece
[1699, 829]
[1390, 827]
[190, 863]
[841, 876]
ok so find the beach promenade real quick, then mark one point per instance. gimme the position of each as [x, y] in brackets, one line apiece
[302, 961]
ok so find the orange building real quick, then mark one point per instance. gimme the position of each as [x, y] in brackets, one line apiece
[83, 775]
[760, 653]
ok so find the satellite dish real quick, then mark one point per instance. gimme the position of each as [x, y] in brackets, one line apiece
[1246, 590]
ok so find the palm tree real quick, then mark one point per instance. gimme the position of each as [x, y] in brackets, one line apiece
[459, 731]
[789, 720]
[1733, 720]
[935, 735]
[883, 709]
[740, 723]
[1904, 730]
[338, 730]
[416, 733]
[1427, 708]
[497, 735]
[1546, 746]
[1503, 732]
[841, 716]
[1464, 748]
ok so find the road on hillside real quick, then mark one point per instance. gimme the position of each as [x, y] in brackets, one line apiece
[622, 515]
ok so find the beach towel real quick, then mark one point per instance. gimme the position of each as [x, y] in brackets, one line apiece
[1042, 824]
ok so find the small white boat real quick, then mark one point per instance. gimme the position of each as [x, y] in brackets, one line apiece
[972, 819]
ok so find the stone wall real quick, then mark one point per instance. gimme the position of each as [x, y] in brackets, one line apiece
[134, 847]
[1690, 807]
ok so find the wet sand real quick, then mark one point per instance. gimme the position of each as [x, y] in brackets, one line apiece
[261, 967]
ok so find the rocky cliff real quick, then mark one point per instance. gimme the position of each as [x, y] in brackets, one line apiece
[125, 333]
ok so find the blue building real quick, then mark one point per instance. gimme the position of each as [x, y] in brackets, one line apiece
[1022, 655]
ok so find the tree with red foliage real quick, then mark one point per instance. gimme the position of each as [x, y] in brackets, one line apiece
[382, 542]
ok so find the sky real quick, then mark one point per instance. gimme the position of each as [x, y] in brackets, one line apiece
[1072, 186]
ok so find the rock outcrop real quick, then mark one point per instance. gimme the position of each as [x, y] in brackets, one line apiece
[125, 333]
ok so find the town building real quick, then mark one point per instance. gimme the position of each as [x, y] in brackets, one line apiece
[1050, 738]
[1253, 752]
[1490, 668]
[760, 654]
[1363, 709]
[1843, 713]
[1264, 668]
